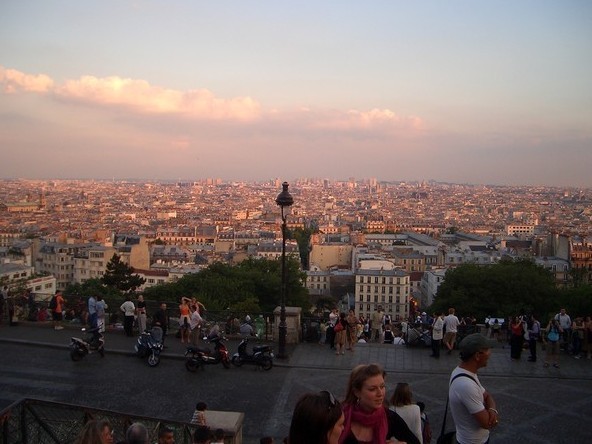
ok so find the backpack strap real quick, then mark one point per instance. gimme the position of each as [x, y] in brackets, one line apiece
[448, 399]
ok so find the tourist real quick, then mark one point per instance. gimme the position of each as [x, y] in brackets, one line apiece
[96, 431]
[402, 404]
[366, 418]
[473, 408]
[451, 324]
[317, 419]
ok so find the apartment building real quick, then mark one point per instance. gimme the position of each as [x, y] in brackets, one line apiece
[20, 275]
[430, 281]
[329, 255]
[387, 288]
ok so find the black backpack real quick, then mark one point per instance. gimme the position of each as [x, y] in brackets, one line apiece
[53, 303]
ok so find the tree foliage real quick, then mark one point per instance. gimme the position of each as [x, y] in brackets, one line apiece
[504, 289]
[121, 276]
[253, 283]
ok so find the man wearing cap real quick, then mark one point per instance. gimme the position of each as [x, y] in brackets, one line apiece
[472, 407]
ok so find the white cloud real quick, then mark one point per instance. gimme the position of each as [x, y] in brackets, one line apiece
[15, 81]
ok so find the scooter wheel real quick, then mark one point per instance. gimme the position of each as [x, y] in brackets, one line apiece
[75, 355]
[153, 360]
[266, 363]
[237, 361]
[226, 363]
[191, 365]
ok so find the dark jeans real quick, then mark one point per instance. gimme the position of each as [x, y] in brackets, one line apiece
[128, 325]
[436, 346]
[532, 346]
[577, 344]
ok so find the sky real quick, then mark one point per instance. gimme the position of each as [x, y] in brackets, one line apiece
[463, 91]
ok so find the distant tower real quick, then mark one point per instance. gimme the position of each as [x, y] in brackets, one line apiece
[42, 201]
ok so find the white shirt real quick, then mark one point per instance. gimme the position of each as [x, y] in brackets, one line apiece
[466, 399]
[195, 319]
[412, 417]
[128, 308]
[437, 328]
[451, 322]
[564, 320]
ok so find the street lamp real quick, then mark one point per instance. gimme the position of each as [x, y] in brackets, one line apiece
[284, 200]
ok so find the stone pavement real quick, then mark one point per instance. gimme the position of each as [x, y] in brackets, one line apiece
[542, 405]
[400, 359]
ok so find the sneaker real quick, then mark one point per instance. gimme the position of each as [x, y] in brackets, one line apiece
[577, 357]
[59, 327]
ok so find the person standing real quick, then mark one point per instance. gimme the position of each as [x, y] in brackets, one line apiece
[161, 319]
[376, 324]
[141, 314]
[565, 323]
[516, 338]
[553, 337]
[129, 309]
[451, 324]
[437, 335]
[352, 329]
[578, 330]
[340, 332]
[534, 333]
[471, 405]
[333, 318]
[92, 311]
[101, 309]
[184, 316]
[195, 322]
[58, 312]
[3, 298]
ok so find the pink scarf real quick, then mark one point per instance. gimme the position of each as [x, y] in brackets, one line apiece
[377, 420]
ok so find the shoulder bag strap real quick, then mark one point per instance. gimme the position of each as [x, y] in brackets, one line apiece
[448, 399]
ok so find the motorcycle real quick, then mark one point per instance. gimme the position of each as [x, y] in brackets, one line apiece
[262, 355]
[199, 356]
[93, 342]
[150, 345]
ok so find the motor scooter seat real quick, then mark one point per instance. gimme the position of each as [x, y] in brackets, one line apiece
[260, 348]
[193, 349]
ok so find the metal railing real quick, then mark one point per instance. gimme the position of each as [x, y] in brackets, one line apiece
[32, 421]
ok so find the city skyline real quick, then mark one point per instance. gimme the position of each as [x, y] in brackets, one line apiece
[484, 93]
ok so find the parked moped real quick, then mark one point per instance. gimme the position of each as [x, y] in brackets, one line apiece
[199, 356]
[261, 356]
[93, 342]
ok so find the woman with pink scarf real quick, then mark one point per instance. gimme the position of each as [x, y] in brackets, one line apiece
[367, 419]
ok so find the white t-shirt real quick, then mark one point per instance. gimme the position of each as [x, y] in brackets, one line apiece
[128, 308]
[564, 320]
[466, 399]
[412, 417]
[451, 322]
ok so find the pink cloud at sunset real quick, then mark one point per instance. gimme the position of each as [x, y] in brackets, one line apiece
[140, 96]
[14, 81]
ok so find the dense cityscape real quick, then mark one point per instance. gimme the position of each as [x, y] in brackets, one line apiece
[359, 227]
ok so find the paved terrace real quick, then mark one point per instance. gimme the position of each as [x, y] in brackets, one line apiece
[543, 405]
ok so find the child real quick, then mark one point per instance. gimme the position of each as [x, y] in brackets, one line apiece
[199, 416]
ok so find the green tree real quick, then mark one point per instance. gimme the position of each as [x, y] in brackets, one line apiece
[504, 289]
[253, 282]
[121, 276]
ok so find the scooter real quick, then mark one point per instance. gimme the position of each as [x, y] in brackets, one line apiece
[93, 342]
[150, 345]
[262, 355]
[199, 356]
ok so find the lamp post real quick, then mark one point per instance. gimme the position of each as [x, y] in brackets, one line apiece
[284, 200]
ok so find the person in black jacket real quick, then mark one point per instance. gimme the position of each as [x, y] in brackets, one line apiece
[161, 319]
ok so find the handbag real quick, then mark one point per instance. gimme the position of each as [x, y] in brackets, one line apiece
[338, 327]
[449, 437]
